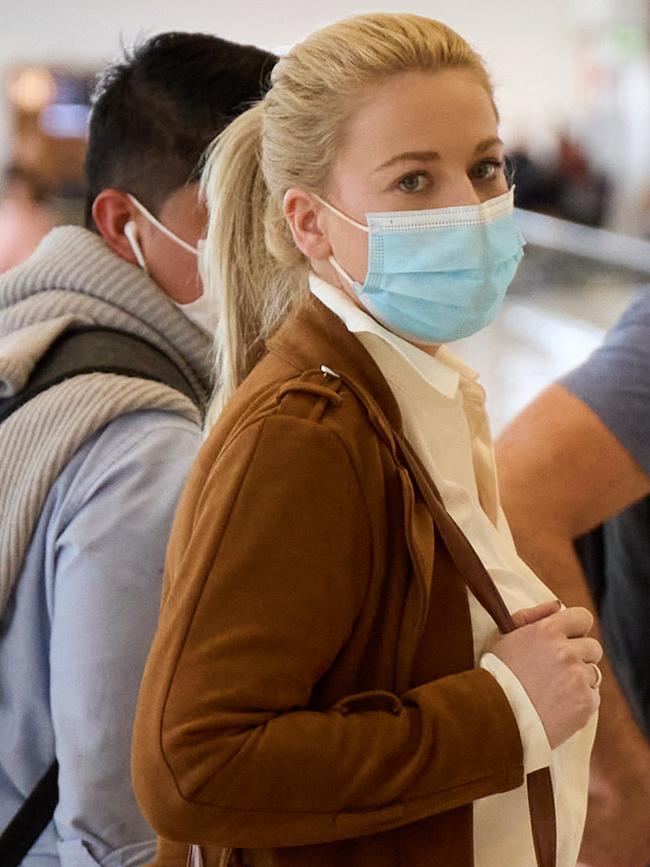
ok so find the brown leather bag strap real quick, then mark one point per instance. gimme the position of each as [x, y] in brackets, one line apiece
[539, 784]
[541, 806]
[467, 561]
[541, 801]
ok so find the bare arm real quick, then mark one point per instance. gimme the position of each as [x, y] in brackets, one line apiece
[563, 472]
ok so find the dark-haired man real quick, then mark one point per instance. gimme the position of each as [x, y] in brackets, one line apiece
[92, 466]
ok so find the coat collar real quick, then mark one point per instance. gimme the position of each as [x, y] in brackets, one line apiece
[313, 336]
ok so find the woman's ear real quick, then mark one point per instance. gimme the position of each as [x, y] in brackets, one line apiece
[302, 213]
[112, 212]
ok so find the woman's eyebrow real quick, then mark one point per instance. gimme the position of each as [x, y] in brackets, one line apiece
[431, 156]
[486, 144]
[412, 156]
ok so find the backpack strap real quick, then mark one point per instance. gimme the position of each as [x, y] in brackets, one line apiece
[94, 349]
[91, 349]
[31, 820]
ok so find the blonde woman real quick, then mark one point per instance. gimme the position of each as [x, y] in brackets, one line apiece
[337, 680]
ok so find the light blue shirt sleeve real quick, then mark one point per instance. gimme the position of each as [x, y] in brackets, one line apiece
[108, 559]
[109, 518]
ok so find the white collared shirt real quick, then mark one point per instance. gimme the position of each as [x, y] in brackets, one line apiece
[443, 413]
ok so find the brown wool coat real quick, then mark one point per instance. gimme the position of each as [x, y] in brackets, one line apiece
[311, 698]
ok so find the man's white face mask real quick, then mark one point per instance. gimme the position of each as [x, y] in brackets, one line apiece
[200, 311]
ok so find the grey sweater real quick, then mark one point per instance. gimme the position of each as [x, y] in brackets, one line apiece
[74, 279]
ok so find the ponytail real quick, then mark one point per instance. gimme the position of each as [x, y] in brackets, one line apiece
[251, 266]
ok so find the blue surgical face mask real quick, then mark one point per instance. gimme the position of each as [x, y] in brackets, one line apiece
[441, 274]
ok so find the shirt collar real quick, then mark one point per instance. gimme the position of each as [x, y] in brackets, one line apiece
[443, 372]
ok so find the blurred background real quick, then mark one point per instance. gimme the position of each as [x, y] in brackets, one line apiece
[573, 87]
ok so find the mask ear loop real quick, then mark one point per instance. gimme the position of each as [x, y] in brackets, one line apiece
[339, 270]
[160, 226]
[340, 214]
[343, 274]
[131, 234]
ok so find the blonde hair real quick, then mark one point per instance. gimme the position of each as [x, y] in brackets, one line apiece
[291, 138]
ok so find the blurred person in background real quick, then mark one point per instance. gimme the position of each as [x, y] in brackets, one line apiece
[534, 180]
[581, 191]
[92, 467]
[574, 471]
[567, 186]
[24, 221]
[324, 690]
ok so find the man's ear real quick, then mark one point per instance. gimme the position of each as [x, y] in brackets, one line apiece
[302, 214]
[112, 211]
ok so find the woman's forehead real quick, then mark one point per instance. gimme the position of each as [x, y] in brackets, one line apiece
[420, 112]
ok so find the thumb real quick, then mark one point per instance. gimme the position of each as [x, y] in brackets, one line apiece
[537, 612]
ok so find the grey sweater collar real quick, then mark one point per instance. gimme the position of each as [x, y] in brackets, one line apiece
[73, 272]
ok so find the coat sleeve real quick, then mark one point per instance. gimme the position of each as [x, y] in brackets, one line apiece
[269, 566]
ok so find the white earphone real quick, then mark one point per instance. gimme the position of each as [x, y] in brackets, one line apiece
[131, 234]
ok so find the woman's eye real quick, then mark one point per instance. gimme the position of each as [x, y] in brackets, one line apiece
[413, 183]
[487, 170]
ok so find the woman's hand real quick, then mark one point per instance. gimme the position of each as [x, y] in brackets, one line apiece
[551, 655]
